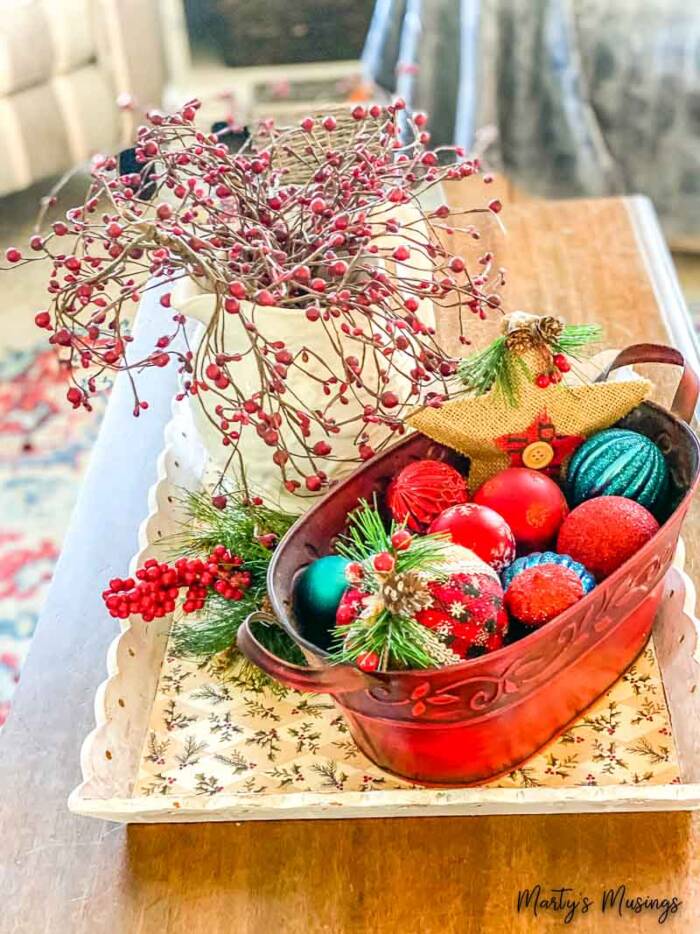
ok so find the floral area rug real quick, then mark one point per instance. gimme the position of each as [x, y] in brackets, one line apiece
[44, 448]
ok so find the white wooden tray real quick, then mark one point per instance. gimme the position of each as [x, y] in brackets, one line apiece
[166, 748]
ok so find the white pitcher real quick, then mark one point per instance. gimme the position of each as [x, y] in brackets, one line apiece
[263, 476]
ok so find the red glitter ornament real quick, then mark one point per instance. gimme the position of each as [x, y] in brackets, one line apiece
[604, 532]
[481, 530]
[531, 503]
[422, 490]
[540, 593]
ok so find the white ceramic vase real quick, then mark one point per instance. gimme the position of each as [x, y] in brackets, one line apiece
[263, 476]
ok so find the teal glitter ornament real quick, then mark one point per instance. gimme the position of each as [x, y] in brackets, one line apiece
[618, 462]
[317, 594]
[547, 557]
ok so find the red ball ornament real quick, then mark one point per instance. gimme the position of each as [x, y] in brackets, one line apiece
[540, 593]
[481, 530]
[531, 503]
[467, 611]
[420, 491]
[604, 532]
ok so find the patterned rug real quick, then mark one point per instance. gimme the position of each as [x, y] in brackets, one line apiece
[44, 448]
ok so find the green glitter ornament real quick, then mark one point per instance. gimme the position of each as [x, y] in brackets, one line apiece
[316, 597]
[618, 462]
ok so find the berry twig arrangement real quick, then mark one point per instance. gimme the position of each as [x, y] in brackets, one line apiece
[377, 629]
[545, 341]
[216, 581]
[310, 222]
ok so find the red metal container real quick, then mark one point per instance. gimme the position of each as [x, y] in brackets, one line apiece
[469, 722]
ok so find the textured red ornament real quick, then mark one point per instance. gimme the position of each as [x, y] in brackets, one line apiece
[604, 532]
[480, 529]
[422, 490]
[531, 503]
[541, 430]
[540, 593]
[468, 613]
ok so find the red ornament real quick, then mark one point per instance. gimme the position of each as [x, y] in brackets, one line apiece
[424, 489]
[368, 661]
[531, 503]
[467, 611]
[540, 593]
[479, 529]
[604, 532]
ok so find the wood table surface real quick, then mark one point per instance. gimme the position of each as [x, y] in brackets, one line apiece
[587, 260]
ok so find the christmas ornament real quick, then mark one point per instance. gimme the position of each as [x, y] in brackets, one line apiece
[531, 503]
[467, 612]
[540, 593]
[497, 427]
[479, 529]
[424, 604]
[317, 595]
[422, 490]
[539, 558]
[604, 532]
[618, 462]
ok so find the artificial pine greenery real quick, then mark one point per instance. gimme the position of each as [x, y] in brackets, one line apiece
[504, 368]
[239, 527]
[575, 338]
[397, 639]
[495, 365]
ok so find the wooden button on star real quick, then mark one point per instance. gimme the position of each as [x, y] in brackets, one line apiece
[538, 455]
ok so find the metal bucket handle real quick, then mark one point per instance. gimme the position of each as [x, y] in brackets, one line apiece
[686, 397]
[336, 679]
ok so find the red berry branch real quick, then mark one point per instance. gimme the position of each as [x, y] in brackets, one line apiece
[308, 220]
[157, 586]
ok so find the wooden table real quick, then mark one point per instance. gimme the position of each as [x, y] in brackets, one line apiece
[587, 260]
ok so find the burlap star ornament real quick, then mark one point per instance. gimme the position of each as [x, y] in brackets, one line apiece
[540, 432]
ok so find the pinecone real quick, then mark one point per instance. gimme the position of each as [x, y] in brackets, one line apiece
[405, 594]
[521, 339]
[550, 328]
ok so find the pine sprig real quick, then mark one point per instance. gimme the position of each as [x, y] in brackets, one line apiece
[241, 528]
[366, 534]
[576, 337]
[504, 368]
[494, 366]
[399, 641]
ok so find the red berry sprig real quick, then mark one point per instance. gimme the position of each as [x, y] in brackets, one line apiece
[554, 373]
[157, 586]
